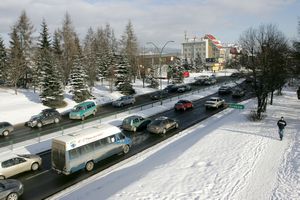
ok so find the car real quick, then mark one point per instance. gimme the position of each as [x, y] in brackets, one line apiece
[199, 82]
[83, 110]
[225, 89]
[183, 105]
[6, 128]
[161, 125]
[214, 102]
[47, 116]
[202, 77]
[210, 81]
[184, 88]
[171, 88]
[11, 189]
[12, 164]
[124, 100]
[135, 122]
[159, 94]
[238, 92]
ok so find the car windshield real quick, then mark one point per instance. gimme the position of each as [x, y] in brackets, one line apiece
[24, 156]
[127, 121]
[121, 99]
[156, 122]
[78, 108]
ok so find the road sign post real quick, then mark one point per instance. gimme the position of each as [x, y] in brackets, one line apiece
[236, 106]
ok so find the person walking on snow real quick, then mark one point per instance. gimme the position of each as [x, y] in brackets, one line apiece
[281, 124]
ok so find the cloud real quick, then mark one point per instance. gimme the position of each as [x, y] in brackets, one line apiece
[153, 20]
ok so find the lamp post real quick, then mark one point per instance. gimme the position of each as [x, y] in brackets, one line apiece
[160, 51]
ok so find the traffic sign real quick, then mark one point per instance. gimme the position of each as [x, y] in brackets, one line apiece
[236, 106]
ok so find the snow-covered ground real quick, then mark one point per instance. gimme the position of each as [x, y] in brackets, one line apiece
[223, 157]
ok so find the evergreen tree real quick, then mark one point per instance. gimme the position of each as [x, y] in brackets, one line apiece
[51, 86]
[3, 60]
[24, 30]
[58, 55]
[198, 63]
[78, 81]
[129, 47]
[122, 74]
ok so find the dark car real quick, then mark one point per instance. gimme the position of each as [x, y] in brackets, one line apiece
[210, 81]
[135, 122]
[10, 189]
[161, 125]
[184, 88]
[6, 128]
[171, 88]
[183, 105]
[224, 89]
[159, 94]
[238, 92]
[47, 116]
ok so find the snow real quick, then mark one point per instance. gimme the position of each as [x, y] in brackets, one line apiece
[223, 157]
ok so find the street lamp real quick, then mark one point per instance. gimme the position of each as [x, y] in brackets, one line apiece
[160, 51]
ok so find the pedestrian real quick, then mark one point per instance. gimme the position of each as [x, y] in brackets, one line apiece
[281, 124]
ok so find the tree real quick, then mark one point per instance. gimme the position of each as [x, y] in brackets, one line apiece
[198, 63]
[129, 48]
[78, 81]
[264, 55]
[51, 86]
[24, 30]
[122, 74]
[16, 58]
[3, 61]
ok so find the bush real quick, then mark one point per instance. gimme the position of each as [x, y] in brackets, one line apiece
[253, 116]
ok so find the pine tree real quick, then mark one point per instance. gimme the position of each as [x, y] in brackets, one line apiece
[198, 63]
[51, 86]
[3, 61]
[129, 47]
[78, 81]
[122, 74]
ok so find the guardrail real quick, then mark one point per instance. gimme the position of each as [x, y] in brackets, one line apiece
[73, 127]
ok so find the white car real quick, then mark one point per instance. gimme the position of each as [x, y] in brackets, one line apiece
[214, 102]
[11, 165]
[124, 100]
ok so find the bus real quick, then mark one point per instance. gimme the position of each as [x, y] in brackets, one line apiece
[82, 149]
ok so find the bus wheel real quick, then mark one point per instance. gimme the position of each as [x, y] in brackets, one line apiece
[126, 149]
[89, 166]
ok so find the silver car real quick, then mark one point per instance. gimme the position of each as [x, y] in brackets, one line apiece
[161, 125]
[5, 128]
[124, 100]
[15, 164]
[10, 189]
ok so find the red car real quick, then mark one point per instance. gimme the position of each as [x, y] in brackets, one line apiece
[183, 105]
[186, 74]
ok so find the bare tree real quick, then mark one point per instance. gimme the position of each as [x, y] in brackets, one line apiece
[264, 54]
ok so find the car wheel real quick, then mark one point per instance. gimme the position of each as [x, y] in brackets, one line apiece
[94, 113]
[5, 133]
[176, 125]
[2, 177]
[134, 129]
[12, 196]
[35, 166]
[126, 149]
[164, 131]
[39, 124]
[183, 108]
[56, 120]
[89, 166]
[83, 117]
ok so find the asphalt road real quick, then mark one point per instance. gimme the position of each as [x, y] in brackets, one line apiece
[45, 182]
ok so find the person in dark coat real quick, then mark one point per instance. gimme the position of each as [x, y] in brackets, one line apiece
[281, 124]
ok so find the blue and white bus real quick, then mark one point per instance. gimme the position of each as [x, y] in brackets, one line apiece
[81, 150]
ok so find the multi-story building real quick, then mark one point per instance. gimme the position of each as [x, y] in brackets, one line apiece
[207, 47]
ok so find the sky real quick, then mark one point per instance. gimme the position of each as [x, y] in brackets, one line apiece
[155, 20]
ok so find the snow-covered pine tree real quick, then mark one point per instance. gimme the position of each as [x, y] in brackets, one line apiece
[51, 85]
[78, 81]
[122, 74]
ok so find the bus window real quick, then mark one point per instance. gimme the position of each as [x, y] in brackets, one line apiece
[97, 144]
[73, 153]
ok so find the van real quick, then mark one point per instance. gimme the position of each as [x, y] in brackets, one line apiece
[83, 110]
[135, 122]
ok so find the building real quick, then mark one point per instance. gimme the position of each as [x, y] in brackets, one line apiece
[207, 47]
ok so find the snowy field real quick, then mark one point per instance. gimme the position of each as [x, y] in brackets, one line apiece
[223, 157]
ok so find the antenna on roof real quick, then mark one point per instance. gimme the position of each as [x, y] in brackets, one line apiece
[185, 38]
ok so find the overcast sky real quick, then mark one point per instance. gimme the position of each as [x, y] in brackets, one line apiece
[157, 20]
